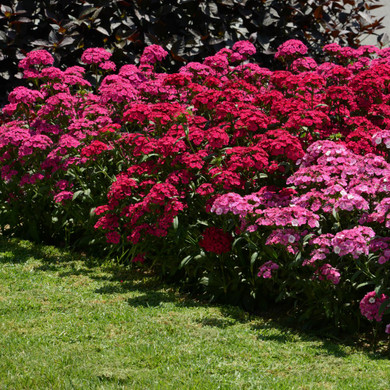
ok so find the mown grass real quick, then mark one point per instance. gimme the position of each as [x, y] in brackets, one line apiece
[67, 322]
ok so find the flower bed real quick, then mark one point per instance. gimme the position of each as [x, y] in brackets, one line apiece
[249, 185]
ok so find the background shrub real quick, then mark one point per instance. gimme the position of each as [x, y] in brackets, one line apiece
[189, 29]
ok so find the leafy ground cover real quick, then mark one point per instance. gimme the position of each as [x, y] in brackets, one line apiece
[69, 322]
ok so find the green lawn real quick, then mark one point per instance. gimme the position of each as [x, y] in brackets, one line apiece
[68, 323]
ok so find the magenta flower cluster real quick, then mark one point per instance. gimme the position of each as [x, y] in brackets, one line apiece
[265, 271]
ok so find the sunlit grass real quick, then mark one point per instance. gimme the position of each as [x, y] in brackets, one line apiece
[71, 323]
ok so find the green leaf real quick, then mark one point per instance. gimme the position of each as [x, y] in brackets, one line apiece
[175, 223]
[361, 285]
[384, 305]
[254, 257]
[186, 261]
[77, 194]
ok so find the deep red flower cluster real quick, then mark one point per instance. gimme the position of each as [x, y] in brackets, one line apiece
[216, 240]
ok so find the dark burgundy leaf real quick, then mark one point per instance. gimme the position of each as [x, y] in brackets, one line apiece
[66, 41]
[87, 12]
[40, 42]
[53, 37]
[5, 9]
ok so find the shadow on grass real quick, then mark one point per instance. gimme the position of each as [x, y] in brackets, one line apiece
[118, 279]
[19, 251]
[66, 263]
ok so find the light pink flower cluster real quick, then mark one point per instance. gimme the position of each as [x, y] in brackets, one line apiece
[322, 250]
[287, 216]
[243, 205]
[370, 304]
[353, 241]
[324, 152]
[289, 238]
[328, 272]
[265, 271]
[351, 202]
[382, 138]
[380, 215]
[234, 203]
[381, 245]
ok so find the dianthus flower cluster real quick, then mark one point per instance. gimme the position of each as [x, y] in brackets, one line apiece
[327, 272]
[287, 216]
[33, 59]
[63, 196]
[231, 202]
[265, 271]
[95, 55]
[382, 246]
[290, 49]
[245, 48]
[24, 95]
[288, 238]
[215, 240]
[295, 159]
[304, 64]
[370, 304]
[153, 54]
[95, 148]
[382, 138]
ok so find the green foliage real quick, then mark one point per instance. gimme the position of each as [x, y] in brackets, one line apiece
[189, 29]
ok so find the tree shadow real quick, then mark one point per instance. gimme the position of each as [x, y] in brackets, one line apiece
[20, 251]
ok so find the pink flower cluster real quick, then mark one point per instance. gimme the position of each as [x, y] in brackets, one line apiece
[34, 60]
[63, 196]
[382, 138]
[382, 246]
[265, 271]
[24, 95]
[327, 272]
[291, 49]
[287, 216]
[242, 50]
[95, 55]
[288, 238]
[153, 54]
[353, 241]
[370, 304]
